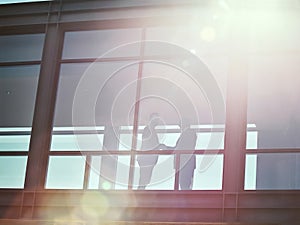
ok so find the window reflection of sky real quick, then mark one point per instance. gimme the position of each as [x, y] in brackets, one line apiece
[212, 175]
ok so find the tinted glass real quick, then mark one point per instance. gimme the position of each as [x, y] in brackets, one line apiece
[273, 78]
[26, 47]
[95, 100]
[18, 86]
[101, 43]
[272, 171]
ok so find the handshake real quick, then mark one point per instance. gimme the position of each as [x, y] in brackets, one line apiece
[165, 147]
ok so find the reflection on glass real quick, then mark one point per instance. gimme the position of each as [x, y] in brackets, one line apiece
[18, 85]
[25, 47]
[210, 140]
[274, 31]
[109, 172]
[12, 171]
[99, 97]
[125, 142]
[179, 97]
[208, 174]
[162, 176]
[176, 96]
[168, 138]
[273, 101]
[65, 172]
[122, 175]
[196, 37]
[69, 142]
[272, 171]
[187, 162]
[150, 141]
[205, 140]
[101, 43]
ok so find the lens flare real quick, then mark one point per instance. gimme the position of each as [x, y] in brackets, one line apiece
[208, 34]
[94, 205]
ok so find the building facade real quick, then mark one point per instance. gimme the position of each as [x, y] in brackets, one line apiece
[80, 81]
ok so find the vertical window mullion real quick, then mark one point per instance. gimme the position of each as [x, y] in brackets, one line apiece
[44, 109]
[136, 112]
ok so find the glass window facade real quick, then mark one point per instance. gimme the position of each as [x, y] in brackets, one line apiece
[129, 95]
[273, 96]
[112, 81]
[90, 109]
[272, 171]
[137, 110]
[20, 58]
[18, 89]
[17, 48]
[101, 43]
[273, 80]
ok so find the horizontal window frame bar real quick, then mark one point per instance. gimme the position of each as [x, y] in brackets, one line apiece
[130, 58]
[166, 152]
[15, 133]
[22, 29]
[271, 150]
[14, 153]
[20, 63]
[137, 152]
[92, 60]
[204, 130]
[79, 132]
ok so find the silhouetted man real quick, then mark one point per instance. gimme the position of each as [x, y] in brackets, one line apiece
[186, 141]
[149, 142]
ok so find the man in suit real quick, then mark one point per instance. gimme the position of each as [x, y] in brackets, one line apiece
[149, 142]
[186, 141]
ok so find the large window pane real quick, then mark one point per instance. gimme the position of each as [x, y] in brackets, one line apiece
[12, 171]
[13, 141]
[18, 90]
[98, 43]
[63, 139]
[162, 176]
[177, 42]
[26, 47]
[178, 98]
[273, 100]
[181, 107]
[273, 79]
[196, 172]
[204, 35]
[208, 174]
[272, 171]
[274, 30]
[65, 172]
[109, 172]
[93, 102]
[18, 85]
